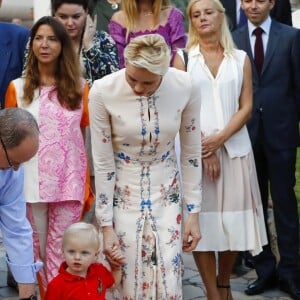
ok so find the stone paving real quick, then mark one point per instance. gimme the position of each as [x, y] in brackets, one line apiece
[192, 285]
[193, 288]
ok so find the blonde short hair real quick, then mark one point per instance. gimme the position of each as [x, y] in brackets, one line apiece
[149, 52]
[82, 230]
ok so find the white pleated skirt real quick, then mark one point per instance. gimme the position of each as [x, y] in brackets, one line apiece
[231, 217]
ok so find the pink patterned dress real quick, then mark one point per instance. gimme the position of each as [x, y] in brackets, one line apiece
[58, 171]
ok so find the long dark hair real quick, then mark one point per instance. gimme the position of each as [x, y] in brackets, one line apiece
[67, 75]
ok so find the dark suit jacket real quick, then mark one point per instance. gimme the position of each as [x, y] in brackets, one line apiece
[276, 93]
[13, 39]
[281, 12]
[230, 9]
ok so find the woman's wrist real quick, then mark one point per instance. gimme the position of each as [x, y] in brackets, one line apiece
[106, 229]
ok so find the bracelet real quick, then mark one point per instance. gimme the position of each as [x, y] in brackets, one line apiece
[32, 297]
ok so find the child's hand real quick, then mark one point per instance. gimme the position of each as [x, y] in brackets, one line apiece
[115, 257]
[111, 249]
[117, 254]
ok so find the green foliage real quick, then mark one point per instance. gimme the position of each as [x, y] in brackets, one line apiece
[182, 4]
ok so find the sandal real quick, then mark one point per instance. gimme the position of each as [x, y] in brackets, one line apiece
[229, 295]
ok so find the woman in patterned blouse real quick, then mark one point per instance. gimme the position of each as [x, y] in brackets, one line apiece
[97, 50]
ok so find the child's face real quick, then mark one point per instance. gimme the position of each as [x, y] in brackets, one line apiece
[79, 254]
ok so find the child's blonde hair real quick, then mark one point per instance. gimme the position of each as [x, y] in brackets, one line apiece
[82, 230]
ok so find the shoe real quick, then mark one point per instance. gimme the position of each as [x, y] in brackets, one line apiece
[260, 285]
[291, 286]
[227, 288]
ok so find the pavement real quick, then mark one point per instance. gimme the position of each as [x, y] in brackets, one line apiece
[193, 288]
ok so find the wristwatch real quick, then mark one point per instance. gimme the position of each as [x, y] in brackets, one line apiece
[32, 297]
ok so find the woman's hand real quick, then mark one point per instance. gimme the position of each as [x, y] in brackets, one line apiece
[89, 32]
[211, 167]
[211, 143]
[191, 233]
[111, 247]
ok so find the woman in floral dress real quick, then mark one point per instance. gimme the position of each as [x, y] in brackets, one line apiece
[135, 115]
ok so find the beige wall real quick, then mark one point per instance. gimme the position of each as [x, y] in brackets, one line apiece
[41, 8]
[295, 4]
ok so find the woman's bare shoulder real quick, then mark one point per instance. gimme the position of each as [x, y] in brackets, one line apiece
[165, 13]
[119, 17]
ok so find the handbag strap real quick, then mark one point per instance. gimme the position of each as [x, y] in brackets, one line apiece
[185, 58]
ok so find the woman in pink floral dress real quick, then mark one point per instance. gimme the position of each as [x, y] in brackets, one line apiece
[54, 93]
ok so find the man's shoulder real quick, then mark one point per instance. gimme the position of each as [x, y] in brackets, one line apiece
[288, 32]
[9, 29]
[286, 27]
[10, 179]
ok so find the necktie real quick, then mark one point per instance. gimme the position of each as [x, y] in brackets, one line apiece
[243, 18]
[258, 49]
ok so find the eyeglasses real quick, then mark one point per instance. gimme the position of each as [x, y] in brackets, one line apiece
[5, 150]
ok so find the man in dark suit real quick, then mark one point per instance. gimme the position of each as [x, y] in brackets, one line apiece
[13, 39]
[274, 133]
[281, 12]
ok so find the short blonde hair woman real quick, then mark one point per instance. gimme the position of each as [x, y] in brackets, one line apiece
[135, 116]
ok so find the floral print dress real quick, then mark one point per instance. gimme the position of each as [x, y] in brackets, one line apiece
[137, 178]
[101, 59]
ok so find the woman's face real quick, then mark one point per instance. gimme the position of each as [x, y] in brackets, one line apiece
[205, 18]
[142, 82]
[45, 45]
[73, 17]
